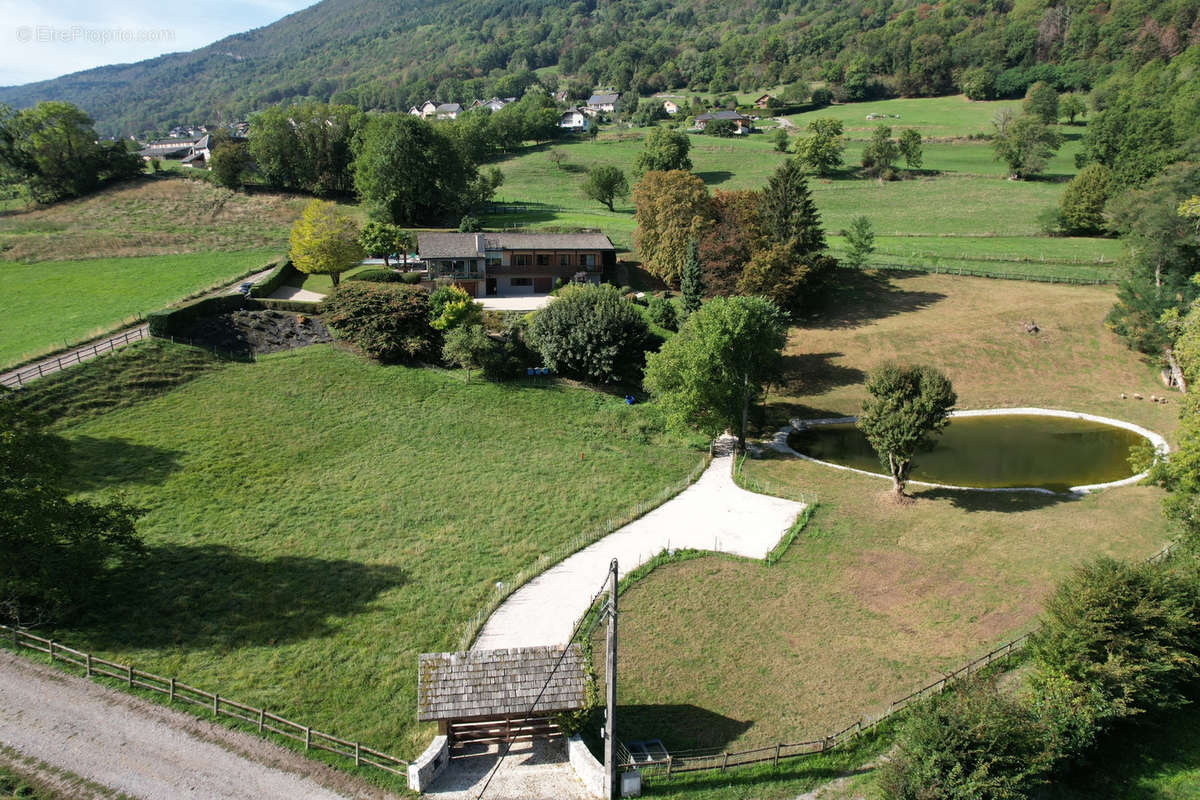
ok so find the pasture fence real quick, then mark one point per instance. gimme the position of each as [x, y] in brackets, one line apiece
[19, 378]
[939, 269]
[177, 691]
[700, 760]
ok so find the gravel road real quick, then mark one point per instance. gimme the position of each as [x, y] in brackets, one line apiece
[148, 751]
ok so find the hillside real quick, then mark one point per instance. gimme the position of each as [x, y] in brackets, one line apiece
[389, 54]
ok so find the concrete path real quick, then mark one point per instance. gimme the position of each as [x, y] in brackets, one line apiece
[530, 302]
[711, 514]
[296, 293]
[537, 770]
[148, 751]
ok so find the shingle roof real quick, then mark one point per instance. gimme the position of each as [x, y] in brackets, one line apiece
[603, 99]
[548, 241]
[722, 115]
[448, 107]
[450, 245]
[484, 683]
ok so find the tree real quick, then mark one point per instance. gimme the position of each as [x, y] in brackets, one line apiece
[789, 214]
[665, 150]
[881, 153]
[591, 332]
[822, 149]
[1072, 106]
[1081, 208]
[387, 321]
[380, 240]
[907, 407]
[661, 311]
[451, 307]
[734, 236]
[708, 374]
[910, 147]
[325, 242]
[691, 279]
[671, 208]
[556, 157]
[308, 146]
[52, 548]
[721, 128]
[1025, 144]
[230, 162]
[409, 172]
[469, 346]
[780, 139]
[861, 240]
[1041, 101]
[604, 184]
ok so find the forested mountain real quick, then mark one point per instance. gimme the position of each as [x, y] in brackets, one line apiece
[389, 54]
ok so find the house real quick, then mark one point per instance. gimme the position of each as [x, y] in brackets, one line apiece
[671, 107]
[493, 105]
[606, 103]
[764, 101]
[573, 119]
[505, 264]
[741, 121]
[425, 110]
[187, 151]
[448, 111]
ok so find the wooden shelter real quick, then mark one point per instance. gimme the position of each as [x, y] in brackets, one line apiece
[487, 695]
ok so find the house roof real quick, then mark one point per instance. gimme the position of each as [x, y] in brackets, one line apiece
[711, 115]
[494, 683]
[474, 245]
[603, 99]
[449, 245]
[449, 107]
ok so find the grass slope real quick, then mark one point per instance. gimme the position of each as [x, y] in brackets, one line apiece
[316, 521]
[52, 303]
[870, 600]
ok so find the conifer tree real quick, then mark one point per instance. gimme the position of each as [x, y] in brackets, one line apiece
[691, 280]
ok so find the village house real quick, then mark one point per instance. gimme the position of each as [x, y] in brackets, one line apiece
[741, 121]
[448, 111]
[187, 151]
[607, 103]
[764, 101]
[671, 107]
[506, 264]
[573, 119]
[493, 105]
[425, 110]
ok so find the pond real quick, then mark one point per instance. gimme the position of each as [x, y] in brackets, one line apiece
[994, 451]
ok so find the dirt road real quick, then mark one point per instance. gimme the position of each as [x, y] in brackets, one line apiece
[147, 751]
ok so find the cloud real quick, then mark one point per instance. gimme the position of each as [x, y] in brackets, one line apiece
[40, 40]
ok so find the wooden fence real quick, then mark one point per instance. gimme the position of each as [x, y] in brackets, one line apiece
[220, 706]
[52, 365]
[716, 759]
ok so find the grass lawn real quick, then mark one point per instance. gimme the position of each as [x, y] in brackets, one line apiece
[872, 601]
[316, 521]
[51, 303]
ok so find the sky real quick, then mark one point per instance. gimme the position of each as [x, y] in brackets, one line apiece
[42, 39]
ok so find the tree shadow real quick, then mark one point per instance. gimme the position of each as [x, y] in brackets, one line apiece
[815, 373]
[680, 727]
[857, 297]
[212, 596]
[779, 412]
[574, 169]
[714, 177]
[108, 463]
[1005, 502]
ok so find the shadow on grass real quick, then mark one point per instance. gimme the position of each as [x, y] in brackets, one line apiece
[714, 177]
[859, 297]
[780, 412]
[214, 596]
[680, 727]
[815, 373]
[1008, 502]
[109, 463]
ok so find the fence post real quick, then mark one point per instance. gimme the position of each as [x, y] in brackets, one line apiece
[171, 691]
[307, 737]
[130, 669]
[724, 761]
[216, 705]
[357, 758]
[89, 665]
[776, 762]
[262, 713]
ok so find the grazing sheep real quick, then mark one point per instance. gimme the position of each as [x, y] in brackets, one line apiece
[1137, 396]
[1123, 397]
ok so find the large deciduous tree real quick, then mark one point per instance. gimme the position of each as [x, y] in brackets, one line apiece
[664, 150]
[822, 149]
[1081, 207]
[907, 407]
[591, 332]
[734, 236]
[381, 239]
[707, 376]
[325, 241]
[881, 153]
[671, 209]
[1025, 144]
[52, 548]
[910, 148]
[309, 147]
[604, 184]
[1041, 101]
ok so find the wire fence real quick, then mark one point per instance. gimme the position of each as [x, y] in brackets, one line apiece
[177, 691]
[684, 761]
[938, 269]
[48, 366]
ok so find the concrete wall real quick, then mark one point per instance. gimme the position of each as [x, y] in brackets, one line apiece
[589, 770]
[432, 763]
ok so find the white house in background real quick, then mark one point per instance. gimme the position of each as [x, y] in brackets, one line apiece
[606, 103]
[493, 105]
[574, 120]
[448, 111]
[425, 110]
[671, 107]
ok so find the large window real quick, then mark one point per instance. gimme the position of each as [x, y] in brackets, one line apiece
[543, 260]
[520, 282]
[564, 259]
[588, 259]
[523, 259]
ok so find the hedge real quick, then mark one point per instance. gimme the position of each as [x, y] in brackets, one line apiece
[172, 322]
[283, 272]
[302, 306]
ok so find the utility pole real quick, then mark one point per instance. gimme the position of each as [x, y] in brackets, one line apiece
[612, 784]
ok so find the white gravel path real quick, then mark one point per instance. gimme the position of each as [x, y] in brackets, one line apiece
[296, 293]
[711, 514]
[148, 751]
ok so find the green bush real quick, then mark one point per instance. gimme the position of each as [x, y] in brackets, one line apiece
[279, 276]
[661, 312]
[411, 277]
[971, 741]
[591, 332]
[377, 276]
[388, 322]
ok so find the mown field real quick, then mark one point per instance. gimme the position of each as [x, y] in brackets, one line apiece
[315, 521]
[959, 194]
[871, 601]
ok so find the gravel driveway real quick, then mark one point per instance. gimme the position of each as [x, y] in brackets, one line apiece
[148, 751]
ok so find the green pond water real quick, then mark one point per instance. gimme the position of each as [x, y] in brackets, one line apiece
[1001, 451]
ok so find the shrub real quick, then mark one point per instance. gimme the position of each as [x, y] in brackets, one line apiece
[451, 307]
[411, 278]
[1082, 202]
[470, 347]
[662, 313]
[968, 742]
[388, 322]
[377, 276]
[591, 332]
